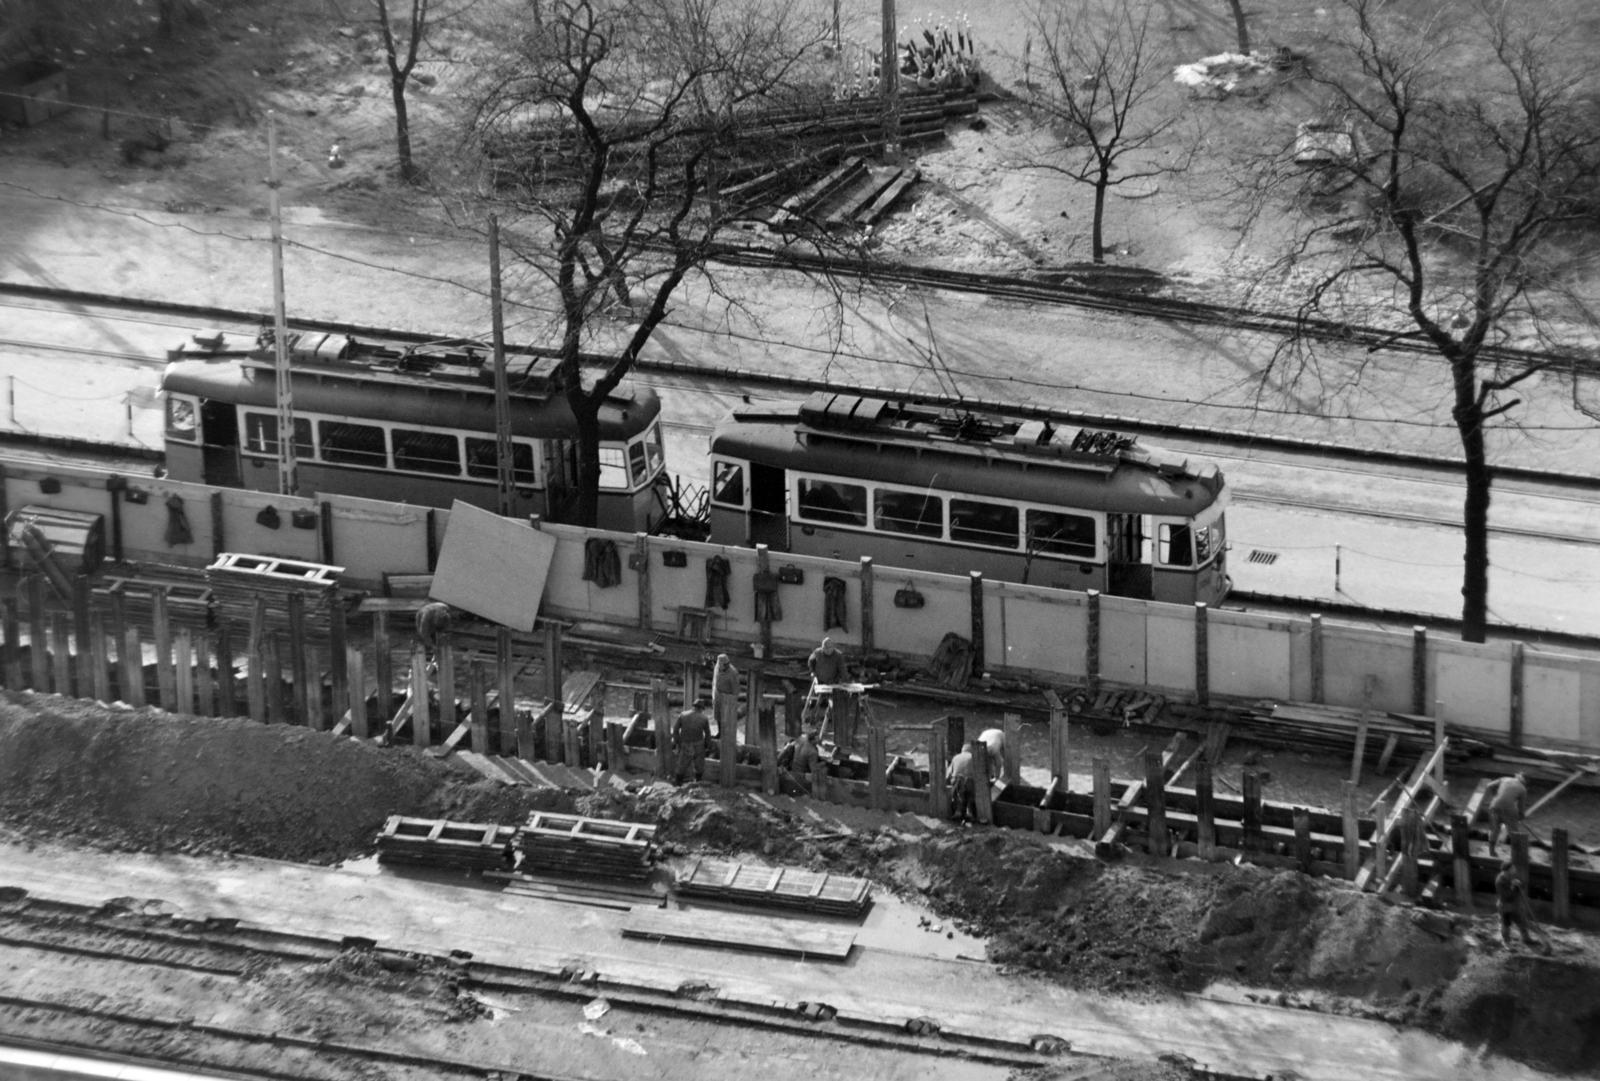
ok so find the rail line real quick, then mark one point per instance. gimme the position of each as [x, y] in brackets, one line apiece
[1082, 418]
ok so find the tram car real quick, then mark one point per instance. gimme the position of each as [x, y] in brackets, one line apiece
[412, 424]
[953, 491]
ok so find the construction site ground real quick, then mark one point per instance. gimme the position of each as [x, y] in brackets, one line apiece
[192, 818]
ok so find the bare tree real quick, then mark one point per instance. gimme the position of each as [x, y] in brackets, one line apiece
[1104, 70]
[400, 50]
[1239, 26]
[1466, 174]
[614, 128]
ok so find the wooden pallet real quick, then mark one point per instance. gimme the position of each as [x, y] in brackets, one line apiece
[783, 887]
[437, 842]
[765, 935]
[587, 846]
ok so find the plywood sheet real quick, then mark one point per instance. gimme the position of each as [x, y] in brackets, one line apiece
[741, 932]
[493, 567]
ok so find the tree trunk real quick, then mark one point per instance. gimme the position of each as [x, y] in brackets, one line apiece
[1475, 580]
[1238, 21]
[1096, 231]
[402, 128]
[586, 411]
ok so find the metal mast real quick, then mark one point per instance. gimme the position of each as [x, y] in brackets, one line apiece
[502, 389]
[288, 478]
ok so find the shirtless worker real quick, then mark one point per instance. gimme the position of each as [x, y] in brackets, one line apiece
[691, 735]
[1508, 798]
[994, 742]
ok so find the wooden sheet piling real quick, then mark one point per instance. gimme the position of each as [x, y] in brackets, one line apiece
[1302, 838]
[553, 736]
[1102, 796]
[877, 768]
[227, 699]
[527, 746]
[1410, 844]
[767, 734]
[119, 631]
[1091, 650]
[10, 647]
[183, 671]
[338, 657]
[1205, 812]
[938, 763]
[1155, 785]
[1251, 785]
[38, 652]
[478, 698]
[272, 670]
[552, 660]
[205, 688]
[421, 716]
[1059, 737]
[1202, 653]
[659, 710]
[299, 665]
[868, 631]
[445, 652]
[980, 660]
[980, 782]
[130, 668]
[60, 634]
[1011, 725]
[571, 751]
[728, 747]
[641, 564]
[1361, 748]
[256, 662]
[82, 676]
[1380, 844]
[99, 670]
[310, 697]
[793, 706]
[1560, 883]
[1352, 832]
[505, 696]
[383, 665]
[356, 691]
[616, 747]
[1461, 859]
[821, 790]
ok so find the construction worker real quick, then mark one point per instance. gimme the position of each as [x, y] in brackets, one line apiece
[433, 619]
[807, 757]
[1508, 798]
[827, 664]
[1511, 901]
[994, 741]
[691, 735]
[959, 776]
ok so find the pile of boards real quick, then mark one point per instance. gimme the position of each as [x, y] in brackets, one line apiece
[572, 844]
[784, 887]
[1124, 706]
[1306, 726]
[435, 842]
[237, 580]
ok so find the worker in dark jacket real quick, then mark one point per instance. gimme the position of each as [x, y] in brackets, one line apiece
[433, 620]
[827, 664]
[1511, 901]
[959, 776]
[691, 735]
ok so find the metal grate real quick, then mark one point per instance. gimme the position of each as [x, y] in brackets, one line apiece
[1258, 556]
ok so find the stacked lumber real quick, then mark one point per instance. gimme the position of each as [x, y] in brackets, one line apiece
[572, 844]
[620, 896]
[1124, 706]
[783, 887]
[188, 593]
[1335, 728]
[236, 580]
[436, 842]
[764, 934]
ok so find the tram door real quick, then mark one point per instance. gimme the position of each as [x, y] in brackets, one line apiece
[219, 428]
[769, 507]
[1128, 570]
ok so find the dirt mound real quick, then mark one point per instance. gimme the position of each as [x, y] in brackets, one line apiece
[146, 780]
[1541, 1009]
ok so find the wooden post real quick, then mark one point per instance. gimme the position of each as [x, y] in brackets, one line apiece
[82, 677]
[1059, 739]
[130, 668]
[382, 665]
[768, 737]
[1352, 832]
[659, 708]
[310, 697]
[1204, 810]
[227, 701]
[10, 653]
[338, 637]
[1155, 794]
[444, 652]
[161, 631]
[1251, 785]
[1380, 842]
[1517, 660]
[183, 672]
[119, 636]
[421, 716]
[764, 569]
[955, 738]
[1519, 856]
[1461, 851]
[552, 732]
[820, 789]
[793, 706]
[1361, 748]
[356, 688]
[1091, 651]
[869, 641]
[205, 690]
[571, 752]
[1102, 796]
[1419, 670]
[641, 553]
[478, 688]
[1302, 839]
[552, 661]
[1011, 725]
[728, 748]
[1560, 886]
[550, 718]
[1202, 654]
[506, 696]
[60, 653]
[980, 782]
[272, 663]
[38, 652]
[298, 668]
[1410, 841]
[1438, 741]
[99, 673]
[877, 768]
[1317, 692]
[256, 662]
[979, 659]
[616, 748]
[938, 763]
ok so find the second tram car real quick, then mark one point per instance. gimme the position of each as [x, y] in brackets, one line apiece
[402, 423]
[953, 491]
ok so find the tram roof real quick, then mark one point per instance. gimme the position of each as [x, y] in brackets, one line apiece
[627, 412]
[980, 454]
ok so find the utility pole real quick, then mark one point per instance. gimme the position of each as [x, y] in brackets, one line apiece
[288, 472]
[502, 389]
[890, 81]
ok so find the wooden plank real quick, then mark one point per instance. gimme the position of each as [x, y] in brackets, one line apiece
[183, 671]
[1560, 883]
[478, 699]
[938, 764]
[1461, 850]
[60, 654]
[38, 653]
[1207, 826]
[1352, 832]
[663, 728]
[1156, 804]
[980, 781]
[421, 716]
[356, 687]
[1102, 797]
[99, 671]
[383, 662]
[205, 688]
[1556, 791]
[130, 668]
[1361, 749]
[789, 937]
[1388, 752]
[10, 628]
[161, 632]
[227, 700]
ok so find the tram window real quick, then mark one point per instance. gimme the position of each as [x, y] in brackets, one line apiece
[1175, 545]
[652, 443]
[637, 463]
[1204, 544]
[613, 469]
[181, 418]
[261, 434]
[994, 524]
[1054, 533]
[727, 484]
[829, 501]
[352, 444]
[916, 513]
[426, 452]
[483, 460]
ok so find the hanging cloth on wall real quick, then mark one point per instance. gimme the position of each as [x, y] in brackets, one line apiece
[952, 661]
[178, 531]
[834, 612]
[768, 610]
[718, 571]
[601, 563]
